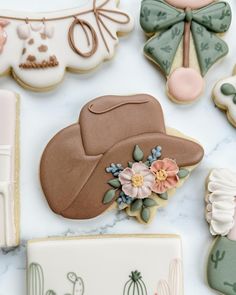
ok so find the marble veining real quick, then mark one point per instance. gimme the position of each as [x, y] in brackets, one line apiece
[42, 115]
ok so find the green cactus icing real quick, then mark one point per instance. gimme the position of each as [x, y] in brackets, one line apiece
[221, 266]
[229, 90]
[135, 285]
[36, 282]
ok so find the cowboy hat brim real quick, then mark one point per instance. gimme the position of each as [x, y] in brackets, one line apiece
[75, 183]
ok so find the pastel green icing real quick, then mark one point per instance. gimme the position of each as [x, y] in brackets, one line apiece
[162, 49]
[158, 16]
[221, 267]
[209, 47]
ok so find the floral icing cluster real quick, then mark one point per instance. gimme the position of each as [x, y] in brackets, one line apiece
[142, 182]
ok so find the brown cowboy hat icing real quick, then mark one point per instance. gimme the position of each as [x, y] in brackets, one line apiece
[73, 166]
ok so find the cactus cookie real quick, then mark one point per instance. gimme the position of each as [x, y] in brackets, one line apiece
[142, 265]
[224, 96]
[221, 216]
[184, 42]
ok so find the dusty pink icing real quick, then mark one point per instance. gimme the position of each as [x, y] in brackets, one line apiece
[194, 4]
[3, 34]
[185, 85]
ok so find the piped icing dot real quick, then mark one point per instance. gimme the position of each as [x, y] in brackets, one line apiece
[194, 4]
[185, 85]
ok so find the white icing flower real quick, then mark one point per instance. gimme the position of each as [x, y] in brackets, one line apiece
[220, 200]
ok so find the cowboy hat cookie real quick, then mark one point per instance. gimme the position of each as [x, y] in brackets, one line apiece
[184, 43]
[123, 274]
[118, 154]
[48, 44]
[220, 213]
[9, 169]
[224, 96]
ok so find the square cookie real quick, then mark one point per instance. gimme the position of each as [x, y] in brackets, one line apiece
[139, 264]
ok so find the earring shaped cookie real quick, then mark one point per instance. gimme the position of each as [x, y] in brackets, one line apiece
[220, 214]
[119, 154]
[184, 43]
[9, 169]
[224, 96]
[48, 44]
[123, 274]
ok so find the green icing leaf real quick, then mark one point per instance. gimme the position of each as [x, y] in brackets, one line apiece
[209, 47]
[183, 173]
[148, 202]
[136, 205]
[164, 196]
[138, 154]
[157, 15]
[109, 196]
[215, 17]
[145, 214]
[162, 49]
[228, 89]
[115, 183]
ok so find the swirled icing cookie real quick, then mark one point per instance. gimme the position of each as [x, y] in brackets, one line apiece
[184, 43]
[9, 165]
[220, 213]
[224, 96]
[77, 264]
[118, 154]
[48, 44]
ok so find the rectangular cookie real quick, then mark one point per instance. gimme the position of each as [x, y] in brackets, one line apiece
[9, 169]
[128, 265]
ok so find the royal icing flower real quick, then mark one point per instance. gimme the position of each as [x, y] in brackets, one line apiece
[166, 175]
[137, 181]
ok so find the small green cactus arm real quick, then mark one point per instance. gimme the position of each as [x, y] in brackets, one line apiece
[217, 257]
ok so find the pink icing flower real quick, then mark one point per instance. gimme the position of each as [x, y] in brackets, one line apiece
[165, 172]
[137, 181]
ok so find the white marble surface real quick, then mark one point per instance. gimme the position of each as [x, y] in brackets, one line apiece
[42, 115]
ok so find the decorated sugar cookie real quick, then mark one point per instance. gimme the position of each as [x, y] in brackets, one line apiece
[184, 41]
[119, 155]
[9, 169]
[48, 44]
[123, 274]
[224, 96]
[220, 213]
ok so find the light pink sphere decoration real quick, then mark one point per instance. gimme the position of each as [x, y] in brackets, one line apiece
[185, 85]
[194, 4]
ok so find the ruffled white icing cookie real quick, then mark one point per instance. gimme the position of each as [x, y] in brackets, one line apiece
[224, 96]
[220, 209]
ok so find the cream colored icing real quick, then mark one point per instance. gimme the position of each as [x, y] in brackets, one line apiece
[174, 285]
[155, 257]
[59, 45]
[224, 101]
[221, 201]
[185, 85]
[194, 4]
[8, 235]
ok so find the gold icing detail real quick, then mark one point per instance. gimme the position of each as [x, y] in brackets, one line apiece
[52, 62]
[43, 48]
[137, 180]
[161, 175]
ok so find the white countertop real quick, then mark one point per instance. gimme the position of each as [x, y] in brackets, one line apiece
[42, 115]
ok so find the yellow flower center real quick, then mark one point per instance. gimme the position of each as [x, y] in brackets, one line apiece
[161, 175]
[137, 180]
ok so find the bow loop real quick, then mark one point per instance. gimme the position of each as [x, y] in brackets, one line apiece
[215, 17]
[157, 15]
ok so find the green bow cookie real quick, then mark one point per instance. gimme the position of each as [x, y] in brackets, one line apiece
[167, 23]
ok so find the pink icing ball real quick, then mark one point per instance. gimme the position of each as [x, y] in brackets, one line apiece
[185, 85]
[194, 4]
